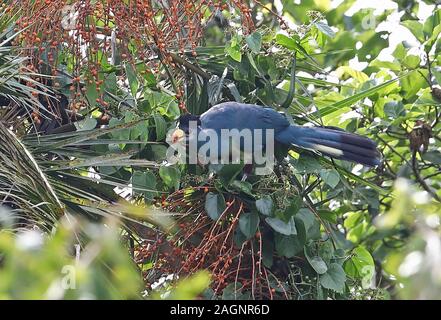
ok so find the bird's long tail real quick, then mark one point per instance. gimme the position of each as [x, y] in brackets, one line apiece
[334, 143]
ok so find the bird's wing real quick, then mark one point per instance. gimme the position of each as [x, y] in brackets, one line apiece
[233, 115]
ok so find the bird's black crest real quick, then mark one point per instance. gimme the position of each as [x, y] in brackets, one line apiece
[184, 121]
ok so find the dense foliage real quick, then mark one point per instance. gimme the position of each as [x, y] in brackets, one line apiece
[86, 105]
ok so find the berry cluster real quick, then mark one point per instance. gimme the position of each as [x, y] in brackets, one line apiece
[88, 36]
[203, 243]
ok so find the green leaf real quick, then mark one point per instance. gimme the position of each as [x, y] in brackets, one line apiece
[323, 27]
[144, 182]
[385, 64]
[411, 61]
[265, 205]
[286, 41]
[328, 216]
[307, 164]
[357, 75]
[133, 80]
[326, 251]
[311, 223]
[437, 51]
[334, 278]
[413, 82]
[432, 156]
[348, 174]
[394, 109]
[290, 44]
[293, 208]
[425, 99]
[289, 246]
[91, 93]
[400, 51]
[286, 228]
[254, 41]
[191, 287]
[239, 238]
[170, 175]
[86, 124]
[268, 251]
[242, 186]
[314, 259]
[361, 263]
[351, 100]
[234, 52]
[416, 28]
[160, 126]
[119, 134]
[432, 39]
[248, 223]
[330, 177]
[110, 83]
[432, 22]
[141, 130]
[233, 49]
[130, 116]
[214, 205]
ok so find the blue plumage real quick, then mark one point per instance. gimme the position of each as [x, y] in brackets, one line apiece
[335, 143]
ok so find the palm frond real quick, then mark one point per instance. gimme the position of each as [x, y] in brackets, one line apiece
[23, 185]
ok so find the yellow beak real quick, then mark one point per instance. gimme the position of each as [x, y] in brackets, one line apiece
[177, 136]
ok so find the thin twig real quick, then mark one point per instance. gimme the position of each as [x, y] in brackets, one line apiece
[421, 180]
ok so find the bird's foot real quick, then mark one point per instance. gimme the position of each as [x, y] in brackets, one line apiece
[247, 170]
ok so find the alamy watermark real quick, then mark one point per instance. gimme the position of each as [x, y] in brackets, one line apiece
[229, 146]
[68, 281]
